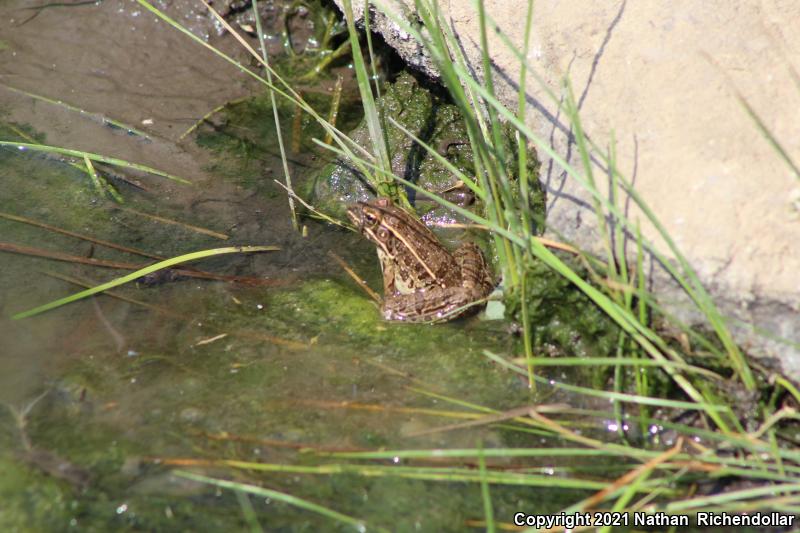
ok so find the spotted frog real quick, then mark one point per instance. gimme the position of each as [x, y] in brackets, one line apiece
[422, 280]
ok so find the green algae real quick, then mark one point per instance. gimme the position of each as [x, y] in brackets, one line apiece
[31, 500]
[332, 314]
[564, 321]
[244, 138]
[416, 109]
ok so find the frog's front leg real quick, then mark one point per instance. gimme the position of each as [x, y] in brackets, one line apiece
[388, 271]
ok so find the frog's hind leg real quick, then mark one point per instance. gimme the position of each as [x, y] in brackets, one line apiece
[475, 273]
[426, 306]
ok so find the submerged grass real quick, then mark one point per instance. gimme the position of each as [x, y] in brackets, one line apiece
[142, 272]
[284, 160]
[279, 496]
[95, 116]
[93, 157]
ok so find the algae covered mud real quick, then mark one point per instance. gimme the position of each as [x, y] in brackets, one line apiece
[263, 391]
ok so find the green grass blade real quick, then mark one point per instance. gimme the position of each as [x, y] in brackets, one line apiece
[276, 119]
[142, 272]
[488, 512]
[372, 114]
[703, 502]
[522, 143]
[94, 157]
[103, 119]
[610, 361]
[440, 474]
[526, 332]
[358, 525]
[768, 135]
[93, 176]
[488, 81]
[100, 182]
[458, 453]
[248, 512]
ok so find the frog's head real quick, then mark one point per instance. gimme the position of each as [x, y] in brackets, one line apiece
[371, 219]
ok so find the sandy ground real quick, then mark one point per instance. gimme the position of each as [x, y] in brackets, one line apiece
[664, 78]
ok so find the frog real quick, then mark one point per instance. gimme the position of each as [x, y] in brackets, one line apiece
[423, 281]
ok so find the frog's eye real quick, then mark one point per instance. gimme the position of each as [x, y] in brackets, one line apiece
[370, 218]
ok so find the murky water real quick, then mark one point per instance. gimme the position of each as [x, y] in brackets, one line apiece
[106, 397]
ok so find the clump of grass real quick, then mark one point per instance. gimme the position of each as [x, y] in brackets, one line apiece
[614, 284]
[509, 219]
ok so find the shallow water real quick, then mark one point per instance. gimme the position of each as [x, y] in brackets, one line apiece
[105, 397]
